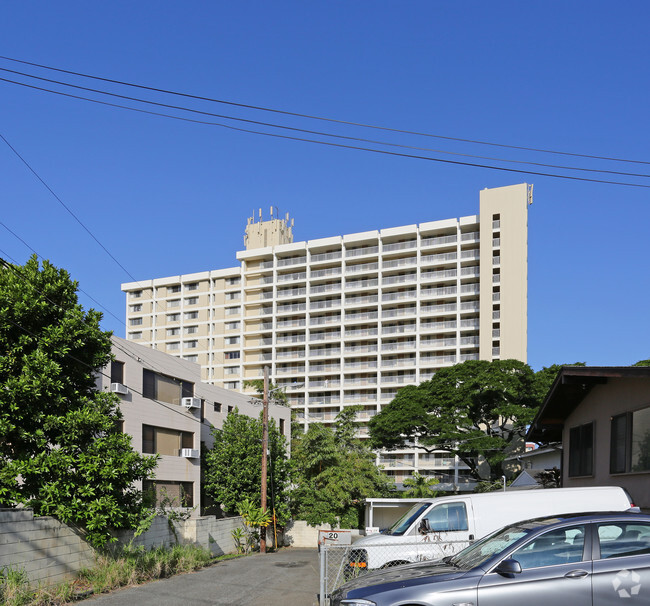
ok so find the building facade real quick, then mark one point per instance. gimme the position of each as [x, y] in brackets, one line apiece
[348, 320]
[169, 411]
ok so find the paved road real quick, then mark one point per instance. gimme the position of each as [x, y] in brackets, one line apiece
[286, 578]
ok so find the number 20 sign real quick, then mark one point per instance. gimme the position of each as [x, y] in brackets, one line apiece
[334, 537]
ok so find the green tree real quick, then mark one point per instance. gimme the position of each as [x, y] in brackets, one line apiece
[61, 451]
[642, 363]
[477, 410]
[234, 465]
[334, 472]
[420, 487]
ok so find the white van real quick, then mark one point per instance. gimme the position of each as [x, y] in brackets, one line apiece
[439, 527]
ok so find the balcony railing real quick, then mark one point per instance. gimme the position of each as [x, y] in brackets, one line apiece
[399, 246]
[365, 250]
[451, 239]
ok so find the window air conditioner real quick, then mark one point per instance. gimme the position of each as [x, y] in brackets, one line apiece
[119, 388]
[189, 453]
[191, 402]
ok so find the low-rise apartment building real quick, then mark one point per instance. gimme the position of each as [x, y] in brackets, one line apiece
[169, 411]
[350, 319]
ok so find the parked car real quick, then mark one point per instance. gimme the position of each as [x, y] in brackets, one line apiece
[435, 528]
[577, 560]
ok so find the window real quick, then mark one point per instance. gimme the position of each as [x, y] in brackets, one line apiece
[560, 546]
[173, 331]
[135, 335]
[173, 289]
[630, 442]
[173, 346]
[623, 539]
[232, 340]
[173, 317]
[231, 384]
[193, 358]
[448, 517]
[217, 406]
[136, 294]
[191, 315]
[232, 325]
[191, 300]
[581, 450]
[166, 389]
[164, 441]
[117, 372]
[233, 281]
[174, 303]
[231, 311]
[230, 409]
[232, 355]
[191, 330]
[136, 308]
[282, 426]
[175, 494]
[192, 286]
[191, 344]
[232, 296]
[231, 370]
[135, 322]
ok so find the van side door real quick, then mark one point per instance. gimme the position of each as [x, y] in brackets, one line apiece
[445, 529]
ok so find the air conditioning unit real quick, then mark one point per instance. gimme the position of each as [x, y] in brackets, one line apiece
[119, 388]
[191, 402]
[190, 453]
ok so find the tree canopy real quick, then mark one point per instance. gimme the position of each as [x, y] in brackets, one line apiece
[233, 470]
[62, 452]
[477, 410]
[334, 472]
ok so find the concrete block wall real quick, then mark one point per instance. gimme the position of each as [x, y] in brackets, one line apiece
[48, 551]
[300, 534]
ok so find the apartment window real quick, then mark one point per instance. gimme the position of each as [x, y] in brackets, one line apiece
[232, 340]
[233, 311]
[191, 315]
[630, 442]
[231, 384]
[173, 331]
[166, 389]
[135, 322]
[117, 371]
[174, 494]
[136, 294]
[174, 303]
[191, 300]
[173, 289]
[136, 308]
[232, 325]
[581, 450]
[230, 409]
[190, 344]
[232, 355]
[135, 335]
[165, 441]
[282, 426]
[191, 330]
[173, 346]
[192, 286]
[217, 407]
[193, 358]
[231, 370]
[233, 281]
[173, 317]
[232, 296]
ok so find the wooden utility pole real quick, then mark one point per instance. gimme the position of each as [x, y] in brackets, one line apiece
[265, 445]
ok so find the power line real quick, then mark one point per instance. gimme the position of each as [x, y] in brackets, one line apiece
[313, 132]
[339, 145]
[332, 120]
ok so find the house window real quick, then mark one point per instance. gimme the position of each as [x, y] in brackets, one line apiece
[173, 289]
[136, 308]
[135, 335]
[136, 294]
[173, 346]
[232, 325]
[217, 406]
[233, 281]
[117, 372]
[191, 330]
[172, 494]
[192, 286]
[190, 344]
[164, 441]
[231, 384]
[166, 389]
[231, 311]
[630, 442]
[173, 317]
[232, 296]
[135, 322]
[581, 450]
[232, 355]
[231, 370]
[171, 332]
[194, 358]
[174, 303]
[191, 300]
[232, 340]
[282, 426]
[191, 315]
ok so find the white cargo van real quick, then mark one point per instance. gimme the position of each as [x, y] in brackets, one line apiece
[439, 527]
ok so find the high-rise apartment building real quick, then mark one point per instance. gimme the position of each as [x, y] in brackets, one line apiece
[350, 319]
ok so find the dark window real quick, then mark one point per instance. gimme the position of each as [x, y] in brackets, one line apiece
[166, 389]
[161, 440]
[623, 539]
[217, 406]
[560, 546]
[282, 426]
[630, 442]
[581, 450]
[117, 372]
[230, 409]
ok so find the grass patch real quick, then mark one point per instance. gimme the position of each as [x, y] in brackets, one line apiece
[129, 566]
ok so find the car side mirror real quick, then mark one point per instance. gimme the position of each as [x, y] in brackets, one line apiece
[424, 527]
[508, 568]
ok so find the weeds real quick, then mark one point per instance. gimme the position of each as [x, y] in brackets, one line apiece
[130, 566]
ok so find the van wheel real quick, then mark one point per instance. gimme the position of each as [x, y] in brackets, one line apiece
[395, 563]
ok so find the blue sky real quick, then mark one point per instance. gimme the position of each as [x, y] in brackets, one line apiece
[167, 197]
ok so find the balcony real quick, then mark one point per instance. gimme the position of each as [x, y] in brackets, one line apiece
[362, 268]
[397, 246]
[439, 258]
[325, 288]
[295, 277]
[292, 261]
[398, 346]
[292, 292]
[392, 330]
[330, 256]
[364, 250]
[408, 262]
[401, 279]
[470, 254]
[324, 273]
[354, 284]
[399, 312]
[439, 241]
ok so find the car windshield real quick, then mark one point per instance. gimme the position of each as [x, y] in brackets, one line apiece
[495, 543]
[404, 523]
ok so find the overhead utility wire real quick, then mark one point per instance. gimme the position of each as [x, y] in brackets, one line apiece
[313, 117]
[338, 145]
[312, 132]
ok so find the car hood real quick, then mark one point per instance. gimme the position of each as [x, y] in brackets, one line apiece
[372, 539]
[409, 574]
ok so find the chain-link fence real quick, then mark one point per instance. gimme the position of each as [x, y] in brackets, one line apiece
[340, 563]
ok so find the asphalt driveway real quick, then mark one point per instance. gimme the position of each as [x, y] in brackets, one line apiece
[286, 578]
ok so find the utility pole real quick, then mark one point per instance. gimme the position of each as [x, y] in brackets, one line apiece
[265, 443]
